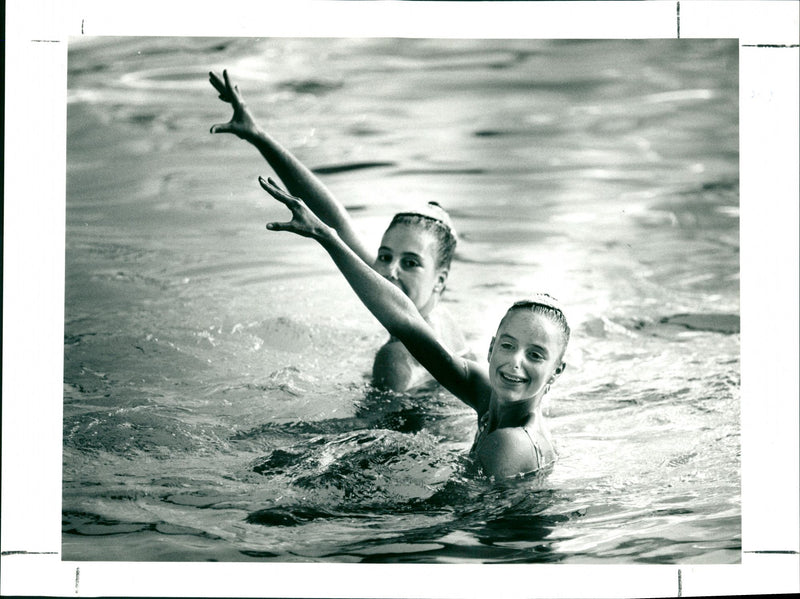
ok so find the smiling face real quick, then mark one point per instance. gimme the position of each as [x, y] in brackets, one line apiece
[524, 357]
[407, 257]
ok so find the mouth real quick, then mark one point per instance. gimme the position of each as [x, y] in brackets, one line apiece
[516, 380]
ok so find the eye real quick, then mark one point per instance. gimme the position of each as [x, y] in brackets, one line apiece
[384, 258]
[506, 345]
[535, 356]
[410, 263]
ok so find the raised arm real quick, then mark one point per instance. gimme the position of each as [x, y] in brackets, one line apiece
[393, 309]
[296, 176]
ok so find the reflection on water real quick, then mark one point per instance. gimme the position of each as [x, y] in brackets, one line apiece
[216, 404]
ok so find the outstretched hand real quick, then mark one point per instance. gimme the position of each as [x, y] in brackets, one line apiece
[242, 123]
[304, 222]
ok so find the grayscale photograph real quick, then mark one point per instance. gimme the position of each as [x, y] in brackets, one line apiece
[402, 300]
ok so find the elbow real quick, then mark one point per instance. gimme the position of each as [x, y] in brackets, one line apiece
[404, 326]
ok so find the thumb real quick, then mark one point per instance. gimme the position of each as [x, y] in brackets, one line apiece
[279, 226]
[220, 128]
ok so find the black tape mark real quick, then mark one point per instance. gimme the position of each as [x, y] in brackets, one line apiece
[77, 579]
[29, 553]
[82, 26]
[779, 552]
[770, 45]
[680, 583]
[47, 41]
[679, 24]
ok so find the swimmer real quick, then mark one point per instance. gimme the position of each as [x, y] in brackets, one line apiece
[415, 253]
[525, 356]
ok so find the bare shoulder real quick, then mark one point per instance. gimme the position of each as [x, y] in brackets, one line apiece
[396, 369]
[506, 452]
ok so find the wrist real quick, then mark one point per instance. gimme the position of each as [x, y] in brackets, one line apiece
[327, 236]
[252, 134]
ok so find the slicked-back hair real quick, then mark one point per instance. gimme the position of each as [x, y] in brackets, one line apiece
[548, 308]
[445, 238]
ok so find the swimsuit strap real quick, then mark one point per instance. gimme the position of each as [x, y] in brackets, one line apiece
[537, 452]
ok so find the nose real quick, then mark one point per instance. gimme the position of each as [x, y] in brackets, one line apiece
[388, 269]
[516, 360]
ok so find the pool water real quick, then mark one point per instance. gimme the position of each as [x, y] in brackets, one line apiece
[216, 398]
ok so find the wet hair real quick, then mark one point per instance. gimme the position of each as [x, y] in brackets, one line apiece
[435, 219]
[547, 306]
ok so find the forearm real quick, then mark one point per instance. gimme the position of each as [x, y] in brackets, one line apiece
[393, 309]
[398, 314]
[301, 182]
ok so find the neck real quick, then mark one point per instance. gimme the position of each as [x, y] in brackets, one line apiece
[515, 414]
[425, 311]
